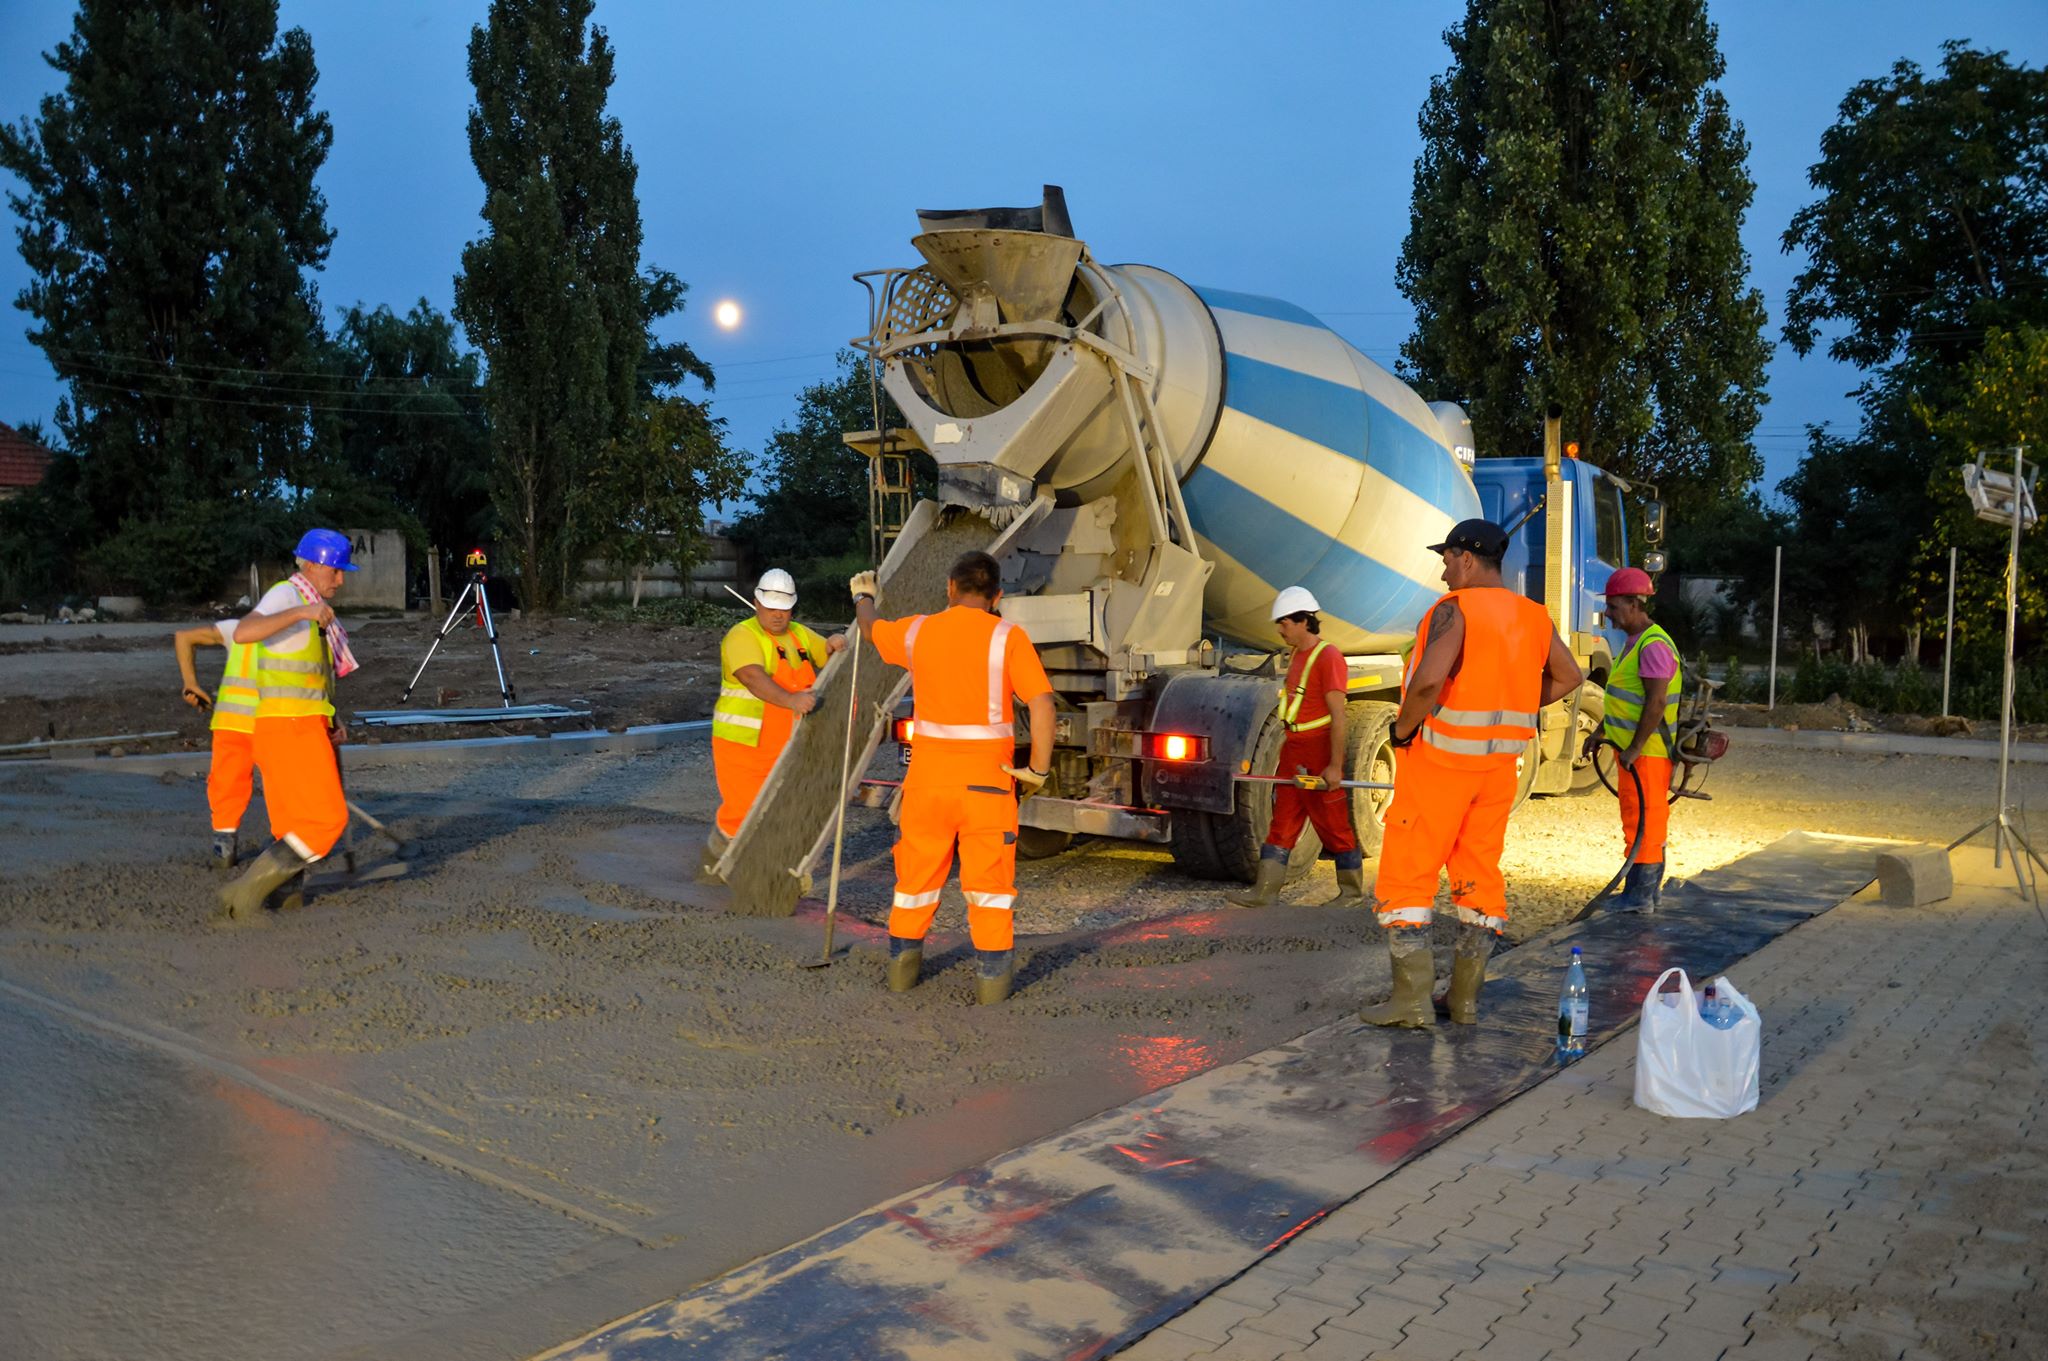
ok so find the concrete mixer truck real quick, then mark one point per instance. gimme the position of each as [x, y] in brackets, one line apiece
[1154, 461]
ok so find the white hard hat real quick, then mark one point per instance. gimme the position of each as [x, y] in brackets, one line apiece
[776, 589]
[1294, 600]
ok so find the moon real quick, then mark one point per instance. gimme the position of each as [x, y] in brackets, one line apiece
[726, 314]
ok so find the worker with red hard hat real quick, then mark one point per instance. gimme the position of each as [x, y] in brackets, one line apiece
[299, 651]
[1312, 711]
[1637, 720]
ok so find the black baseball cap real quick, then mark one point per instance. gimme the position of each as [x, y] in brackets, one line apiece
[1483, 537]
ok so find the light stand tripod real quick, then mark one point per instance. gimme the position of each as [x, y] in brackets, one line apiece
[477, 581]
[2006, 500]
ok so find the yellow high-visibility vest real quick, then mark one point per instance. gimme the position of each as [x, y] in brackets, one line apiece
[1623, 708]
[235, 702]
[737, 715]
[294, 684]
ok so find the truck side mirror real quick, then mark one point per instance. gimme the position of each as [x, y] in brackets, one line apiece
[1654, 562]
[1653, 524]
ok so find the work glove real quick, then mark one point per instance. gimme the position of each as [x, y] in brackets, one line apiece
[865, 584]
[1394, 738]
[197, 697]
[1031, 781]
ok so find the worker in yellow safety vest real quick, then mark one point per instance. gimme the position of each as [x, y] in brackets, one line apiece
[766, 668]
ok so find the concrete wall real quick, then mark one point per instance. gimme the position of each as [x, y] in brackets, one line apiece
[379, 579]
[706, 581]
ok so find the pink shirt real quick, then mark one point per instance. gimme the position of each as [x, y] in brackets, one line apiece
[1658, 661]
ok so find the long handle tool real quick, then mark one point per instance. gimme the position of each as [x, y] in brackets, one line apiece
[845, 776]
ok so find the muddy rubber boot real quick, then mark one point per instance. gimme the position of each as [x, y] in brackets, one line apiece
[1350, 888]
[906, 963]
[994, 972]
[1265, 891]
[1414, 976]
[1640, 892]
[224, 848]
[243, 897]
[291, 896]
[1468, 975]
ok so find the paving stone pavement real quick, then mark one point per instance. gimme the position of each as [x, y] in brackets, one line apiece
[1885, 1200]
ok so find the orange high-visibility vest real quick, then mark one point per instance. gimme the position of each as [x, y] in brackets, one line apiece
[1487, 711]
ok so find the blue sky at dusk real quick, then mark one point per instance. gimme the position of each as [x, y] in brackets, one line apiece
[784, 145]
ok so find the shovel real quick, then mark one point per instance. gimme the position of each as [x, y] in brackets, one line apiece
[839, 825]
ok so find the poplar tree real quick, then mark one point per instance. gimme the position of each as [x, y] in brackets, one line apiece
[553, 295]
[1574, 239]
[170, 221]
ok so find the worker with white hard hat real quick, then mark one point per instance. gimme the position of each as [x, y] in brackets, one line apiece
[767, 666]
[1312, 711]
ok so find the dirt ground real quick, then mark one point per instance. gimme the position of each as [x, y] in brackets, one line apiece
[84, 682]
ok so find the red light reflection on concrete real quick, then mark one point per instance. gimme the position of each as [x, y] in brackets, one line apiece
[1161, 1060]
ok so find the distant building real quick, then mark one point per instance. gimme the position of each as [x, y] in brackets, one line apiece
[22, 462]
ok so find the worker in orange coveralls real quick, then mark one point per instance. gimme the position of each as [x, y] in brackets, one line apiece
[1486, 660]
[966, 663]
[300, 650]
[1312, 710]
[231, 775]
[767, 666]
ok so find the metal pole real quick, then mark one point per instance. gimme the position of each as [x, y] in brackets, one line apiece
[2012, 591]
[1948, 637]
[1777, 579]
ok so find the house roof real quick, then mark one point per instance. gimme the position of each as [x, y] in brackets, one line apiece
[22, 461]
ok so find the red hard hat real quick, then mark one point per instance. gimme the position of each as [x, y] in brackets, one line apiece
[1630, 581]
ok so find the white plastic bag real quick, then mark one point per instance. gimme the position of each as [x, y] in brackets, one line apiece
[1687, 1067]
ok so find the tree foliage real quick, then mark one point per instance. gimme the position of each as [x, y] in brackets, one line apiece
[170, 221]
[1927, 258]
[409, 421]
[553, 295]
[813, 504]
[1574, 239]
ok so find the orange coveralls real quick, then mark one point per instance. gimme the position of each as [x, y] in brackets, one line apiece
[741, 770]
[965, 665]
[1454, 786]
[231, 779]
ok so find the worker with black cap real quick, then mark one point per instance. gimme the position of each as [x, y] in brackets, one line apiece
[1486, 661]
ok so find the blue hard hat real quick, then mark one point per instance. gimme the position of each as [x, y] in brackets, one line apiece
[328, 547]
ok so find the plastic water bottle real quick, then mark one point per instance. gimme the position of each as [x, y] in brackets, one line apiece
[1573, 1009]
[1716, 1009]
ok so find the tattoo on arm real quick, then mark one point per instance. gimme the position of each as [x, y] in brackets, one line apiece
[1441, 619]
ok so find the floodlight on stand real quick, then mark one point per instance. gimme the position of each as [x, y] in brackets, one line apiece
[2006, 499]
[1997, 495]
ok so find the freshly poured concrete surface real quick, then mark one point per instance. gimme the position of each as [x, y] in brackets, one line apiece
[157, 1209]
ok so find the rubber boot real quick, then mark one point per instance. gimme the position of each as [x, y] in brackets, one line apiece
[1350, 888]
[906, 963]
[1414, 976]
[224, 851]
[1468, 973]
[994, 972]
[243, 897]
[1265, 891]
[1640, 891]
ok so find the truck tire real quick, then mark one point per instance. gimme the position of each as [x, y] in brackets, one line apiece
[1592, 711]
[1226, 845]
[1369, 755]
[1526, 766]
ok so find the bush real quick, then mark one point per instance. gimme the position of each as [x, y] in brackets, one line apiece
[1814, 680]
[1737, 687]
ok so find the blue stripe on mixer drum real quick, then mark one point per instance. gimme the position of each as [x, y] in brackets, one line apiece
[1344, 419]
[1258, 307]
[1284, 551]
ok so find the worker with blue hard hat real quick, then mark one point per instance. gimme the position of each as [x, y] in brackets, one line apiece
[299, 651]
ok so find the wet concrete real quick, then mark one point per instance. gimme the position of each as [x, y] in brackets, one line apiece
[155, 1208]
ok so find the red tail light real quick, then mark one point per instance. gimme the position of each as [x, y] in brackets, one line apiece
[1174, 746]
[903, 729]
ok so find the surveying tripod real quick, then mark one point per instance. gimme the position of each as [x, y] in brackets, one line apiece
[477, 563]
